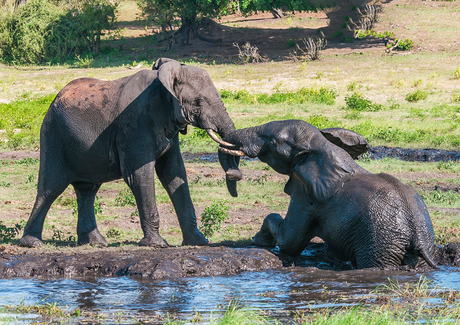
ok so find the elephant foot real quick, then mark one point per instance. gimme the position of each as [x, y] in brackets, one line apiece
[30, 241]
[264, 239]
[195, 238]
[94, 238]
[154, 241]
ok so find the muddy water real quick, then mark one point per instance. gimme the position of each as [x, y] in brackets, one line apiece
[280, 291]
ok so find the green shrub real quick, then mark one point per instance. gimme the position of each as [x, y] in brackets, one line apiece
[94, 17]
[41, 31]
[290, 43]
[416, 96]
[457, 74]
[455, 98]
[359, 103]
[8, 233]
[27, 30]
[321, 122]
[364, 33]
[212, 218]
[401, 45]
[125, 197]
[304, 95]
[337, 33]
[116, 233]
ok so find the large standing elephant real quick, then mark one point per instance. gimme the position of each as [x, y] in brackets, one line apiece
[97, 131]
[372, 220]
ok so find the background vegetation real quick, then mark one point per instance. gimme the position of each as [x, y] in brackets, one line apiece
[52, 31]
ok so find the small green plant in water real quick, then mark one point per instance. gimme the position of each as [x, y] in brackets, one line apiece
[212, 217]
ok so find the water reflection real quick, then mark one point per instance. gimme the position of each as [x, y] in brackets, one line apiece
[273, 290]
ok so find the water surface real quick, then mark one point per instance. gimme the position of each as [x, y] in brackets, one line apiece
[278, 291]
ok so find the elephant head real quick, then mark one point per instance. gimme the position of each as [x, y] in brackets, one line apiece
[196, 101]
[287, 146]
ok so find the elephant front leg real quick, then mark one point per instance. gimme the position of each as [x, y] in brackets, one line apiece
[142, 184]
[265, 237]
[292, 234]
[171, 172]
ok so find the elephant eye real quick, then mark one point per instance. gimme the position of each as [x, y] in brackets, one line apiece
[198, 102]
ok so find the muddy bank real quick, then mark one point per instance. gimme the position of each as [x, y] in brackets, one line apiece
[378, 152]
[173, 262]
[428, 155]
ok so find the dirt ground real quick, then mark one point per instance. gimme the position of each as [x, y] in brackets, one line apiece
[227, 258]
[271, 35]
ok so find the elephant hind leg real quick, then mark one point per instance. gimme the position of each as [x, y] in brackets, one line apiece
[49, 188]
[86, 226]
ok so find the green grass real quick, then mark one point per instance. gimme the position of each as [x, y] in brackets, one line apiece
[21, 120]
[266, 189]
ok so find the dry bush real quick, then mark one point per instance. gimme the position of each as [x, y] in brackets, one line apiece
[311, 49]
[248, 53]
[367, 18]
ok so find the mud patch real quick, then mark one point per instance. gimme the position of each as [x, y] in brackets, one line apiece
[173, 262]
[428, 155]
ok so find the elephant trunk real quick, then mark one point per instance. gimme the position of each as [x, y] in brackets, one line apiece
[224, 126]
[245, 142]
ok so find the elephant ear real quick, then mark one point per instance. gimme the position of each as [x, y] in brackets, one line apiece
[161, 61]
[320, 172]
[353, 143]
[169, 74]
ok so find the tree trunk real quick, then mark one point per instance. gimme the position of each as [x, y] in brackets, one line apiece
[186, 27]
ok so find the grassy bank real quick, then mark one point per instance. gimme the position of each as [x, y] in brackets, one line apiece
[260, 192]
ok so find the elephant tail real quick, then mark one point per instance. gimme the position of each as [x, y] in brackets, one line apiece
[424, 234]
[425, 253]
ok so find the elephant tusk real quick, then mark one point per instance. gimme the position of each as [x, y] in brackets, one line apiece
[219, 141]
[232, 152]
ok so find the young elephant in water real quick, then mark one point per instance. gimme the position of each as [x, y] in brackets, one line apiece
[372, 220]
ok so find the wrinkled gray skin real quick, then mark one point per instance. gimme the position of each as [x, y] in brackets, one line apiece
[97, 131]
[372, 220]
